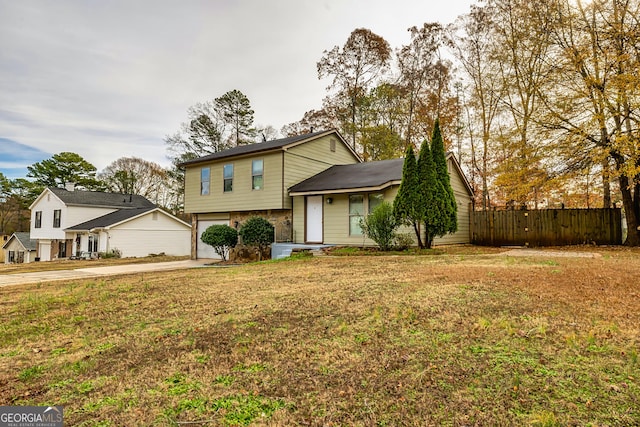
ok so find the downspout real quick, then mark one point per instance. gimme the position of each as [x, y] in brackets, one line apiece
[284, 189]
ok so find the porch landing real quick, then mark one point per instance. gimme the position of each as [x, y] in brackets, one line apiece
[283, 250]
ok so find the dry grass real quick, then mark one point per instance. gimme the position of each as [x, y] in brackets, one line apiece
[456, 339]
[67, 264]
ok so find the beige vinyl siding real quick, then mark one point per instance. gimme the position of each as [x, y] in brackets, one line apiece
[336, 218]
[243, 197]
[220, 216]
[463, 199]
[336, 222]
[298, 219]
[308, 159]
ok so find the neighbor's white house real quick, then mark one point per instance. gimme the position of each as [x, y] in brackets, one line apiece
[67, 222]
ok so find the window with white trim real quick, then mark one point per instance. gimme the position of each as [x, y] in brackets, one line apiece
[227, 172]
[57, 214]
[256, 174]
[356, 211]
[93, 243]
[375, 200]
[205, 181]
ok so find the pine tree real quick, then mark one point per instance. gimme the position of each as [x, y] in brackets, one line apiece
[430, 196]
[442, 175]
[407, 206]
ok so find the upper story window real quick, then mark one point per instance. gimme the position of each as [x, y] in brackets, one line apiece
[356, 210]
[38, 222]
[205, 179]
[256, 174]
[56, 218]
[375, 200]
[228, 177]
[332, 145]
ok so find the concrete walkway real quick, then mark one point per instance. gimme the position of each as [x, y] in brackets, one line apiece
[86, 273]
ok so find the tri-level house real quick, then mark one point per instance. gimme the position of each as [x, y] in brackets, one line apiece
[229, 186]
[314, 188]
[67, 222]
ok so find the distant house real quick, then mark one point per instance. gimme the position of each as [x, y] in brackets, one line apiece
[4, 238]
[19, 248]
[314, 189]
[68, 222]
[137, 232]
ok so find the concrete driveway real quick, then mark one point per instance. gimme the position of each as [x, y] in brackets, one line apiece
[84, 273]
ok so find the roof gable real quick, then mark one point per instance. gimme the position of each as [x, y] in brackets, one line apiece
[110, 219]
[276, 144]
[369, 175]
[347, 177]
[24, 238]
[96, 199]
[118, 217]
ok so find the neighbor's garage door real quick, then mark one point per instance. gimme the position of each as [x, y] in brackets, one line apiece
[204, 250]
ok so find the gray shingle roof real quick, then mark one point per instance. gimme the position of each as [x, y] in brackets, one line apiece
[254, 148]
[98, 198]
[24, 237]
[109, 219]
[358, 175]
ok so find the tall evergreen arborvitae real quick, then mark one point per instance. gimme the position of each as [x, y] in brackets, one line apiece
[407, 206]
[430, 196]
[442, 175]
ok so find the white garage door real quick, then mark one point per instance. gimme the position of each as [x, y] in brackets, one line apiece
[44, 251]
[204, 250]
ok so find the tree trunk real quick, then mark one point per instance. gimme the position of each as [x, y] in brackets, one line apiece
[636, 200]
[417, 230]
[606, 185]
[428, 241]
[631, 207]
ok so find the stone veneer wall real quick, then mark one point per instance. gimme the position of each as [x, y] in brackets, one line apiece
[280, 218]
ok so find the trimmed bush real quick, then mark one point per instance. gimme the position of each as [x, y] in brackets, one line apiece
[221, 238]
[257, 231]
[380, 226]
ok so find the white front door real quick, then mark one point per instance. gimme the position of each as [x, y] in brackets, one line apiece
[314, 219]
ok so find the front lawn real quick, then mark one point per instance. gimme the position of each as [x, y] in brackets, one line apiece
[448, 339]
[69, 264]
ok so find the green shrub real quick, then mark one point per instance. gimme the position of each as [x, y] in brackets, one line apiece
[403, 241]
[257, 231]
[113, 253]
[221, 237]
[380, 226]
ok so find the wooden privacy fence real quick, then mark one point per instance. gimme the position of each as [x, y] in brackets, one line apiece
[546, 227]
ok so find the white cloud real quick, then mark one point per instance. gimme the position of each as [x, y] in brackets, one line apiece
[111, 79]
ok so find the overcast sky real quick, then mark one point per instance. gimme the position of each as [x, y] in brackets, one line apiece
[109, 79]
